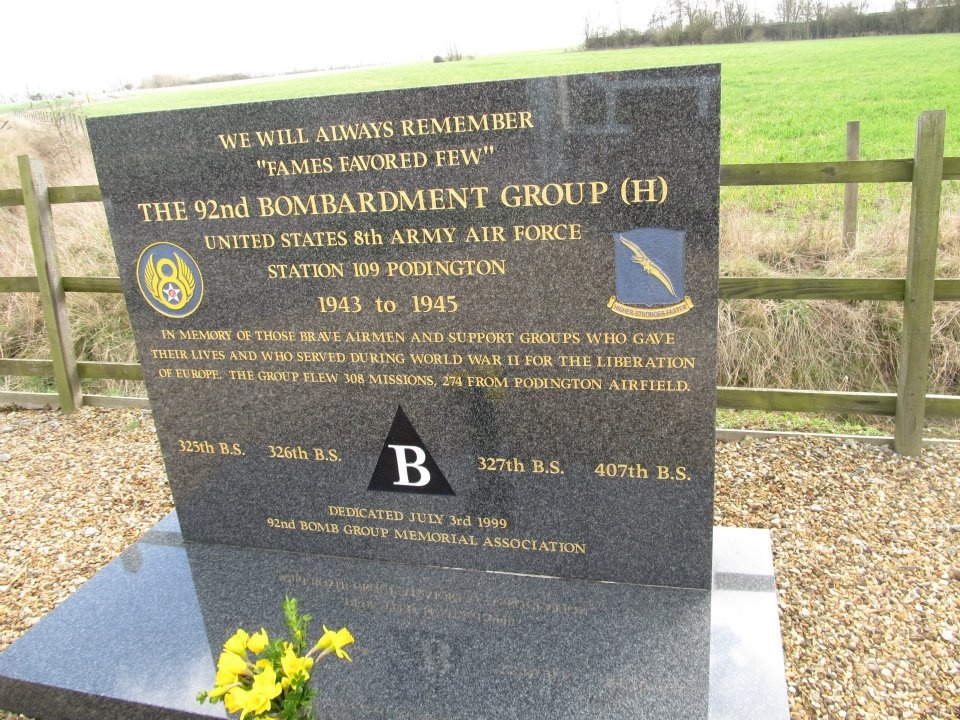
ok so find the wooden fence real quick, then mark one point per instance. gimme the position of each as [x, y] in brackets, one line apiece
[64, 117]
[926, 171]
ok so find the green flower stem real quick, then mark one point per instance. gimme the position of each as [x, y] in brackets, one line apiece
[225, 689]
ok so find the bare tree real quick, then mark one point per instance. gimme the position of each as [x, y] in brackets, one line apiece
[701, 22]
[789, 12]
[819, 13]
[677, 10]
[658, 21]
[734, 16]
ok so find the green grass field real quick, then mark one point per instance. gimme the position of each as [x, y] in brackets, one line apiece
[782, 102]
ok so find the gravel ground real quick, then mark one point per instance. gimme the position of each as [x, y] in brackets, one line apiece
[866, 547]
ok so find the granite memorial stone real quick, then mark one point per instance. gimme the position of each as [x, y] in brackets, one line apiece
[467, 326]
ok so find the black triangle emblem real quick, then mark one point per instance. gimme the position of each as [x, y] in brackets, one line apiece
[405, 464]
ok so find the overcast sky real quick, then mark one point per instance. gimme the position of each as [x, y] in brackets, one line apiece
[61, 45]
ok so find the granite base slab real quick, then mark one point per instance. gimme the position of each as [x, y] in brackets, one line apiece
[140, 639]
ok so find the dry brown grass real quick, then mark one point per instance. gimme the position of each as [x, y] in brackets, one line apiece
[822, 344]
[98, 322]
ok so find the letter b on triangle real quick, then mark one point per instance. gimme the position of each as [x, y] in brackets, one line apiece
[405, 464]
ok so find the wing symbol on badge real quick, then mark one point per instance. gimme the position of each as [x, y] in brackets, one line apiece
[170, 284]
[641, 258]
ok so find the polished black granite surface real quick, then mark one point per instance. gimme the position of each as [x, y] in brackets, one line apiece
[291, 292]
[140, 639]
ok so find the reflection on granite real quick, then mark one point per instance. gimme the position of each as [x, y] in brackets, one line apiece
[140, 639]
[134, 632]
[460, 644]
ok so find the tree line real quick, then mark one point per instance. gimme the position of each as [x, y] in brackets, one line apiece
[696, 22]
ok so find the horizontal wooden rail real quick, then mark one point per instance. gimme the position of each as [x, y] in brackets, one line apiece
[29, 399]
[109, 370]
[817, 173]
[809, 173]
[75, 193]
[52, 400]
[767, 288]
[111, 401]
[92, 284]
[11, 198]
[943, 406]
[56, 194]
[843, 403]
[42, 400]
[807, 401]
[727, 397]
[807, 288]
[730, 398]
[28, 283]
[946, 290]
[87, 370]
[820, 173]
[951, 168]
[26, 367]
[731, 288]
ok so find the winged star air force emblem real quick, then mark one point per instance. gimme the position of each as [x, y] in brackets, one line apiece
[649, 274]
[169, 280]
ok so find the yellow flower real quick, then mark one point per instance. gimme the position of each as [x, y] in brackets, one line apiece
[293, 663]
[235, 699]
[229, 668]
[265, 688]
[221, 690]
[257, 642]
[335, 641]
[238, 643]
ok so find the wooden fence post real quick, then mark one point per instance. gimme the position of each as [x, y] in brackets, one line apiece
[918, 294]
[52, 297]
[851, 191]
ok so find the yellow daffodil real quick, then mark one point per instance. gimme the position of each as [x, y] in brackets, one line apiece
[221, 690]
[238, 643]
[229, 668]
[235, 699]
[264, 689]
[258, 688]
[293, 663]
[257, 642]
[335, 642]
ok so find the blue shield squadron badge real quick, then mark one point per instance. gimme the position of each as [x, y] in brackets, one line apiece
[169, 280]
[650, 274]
